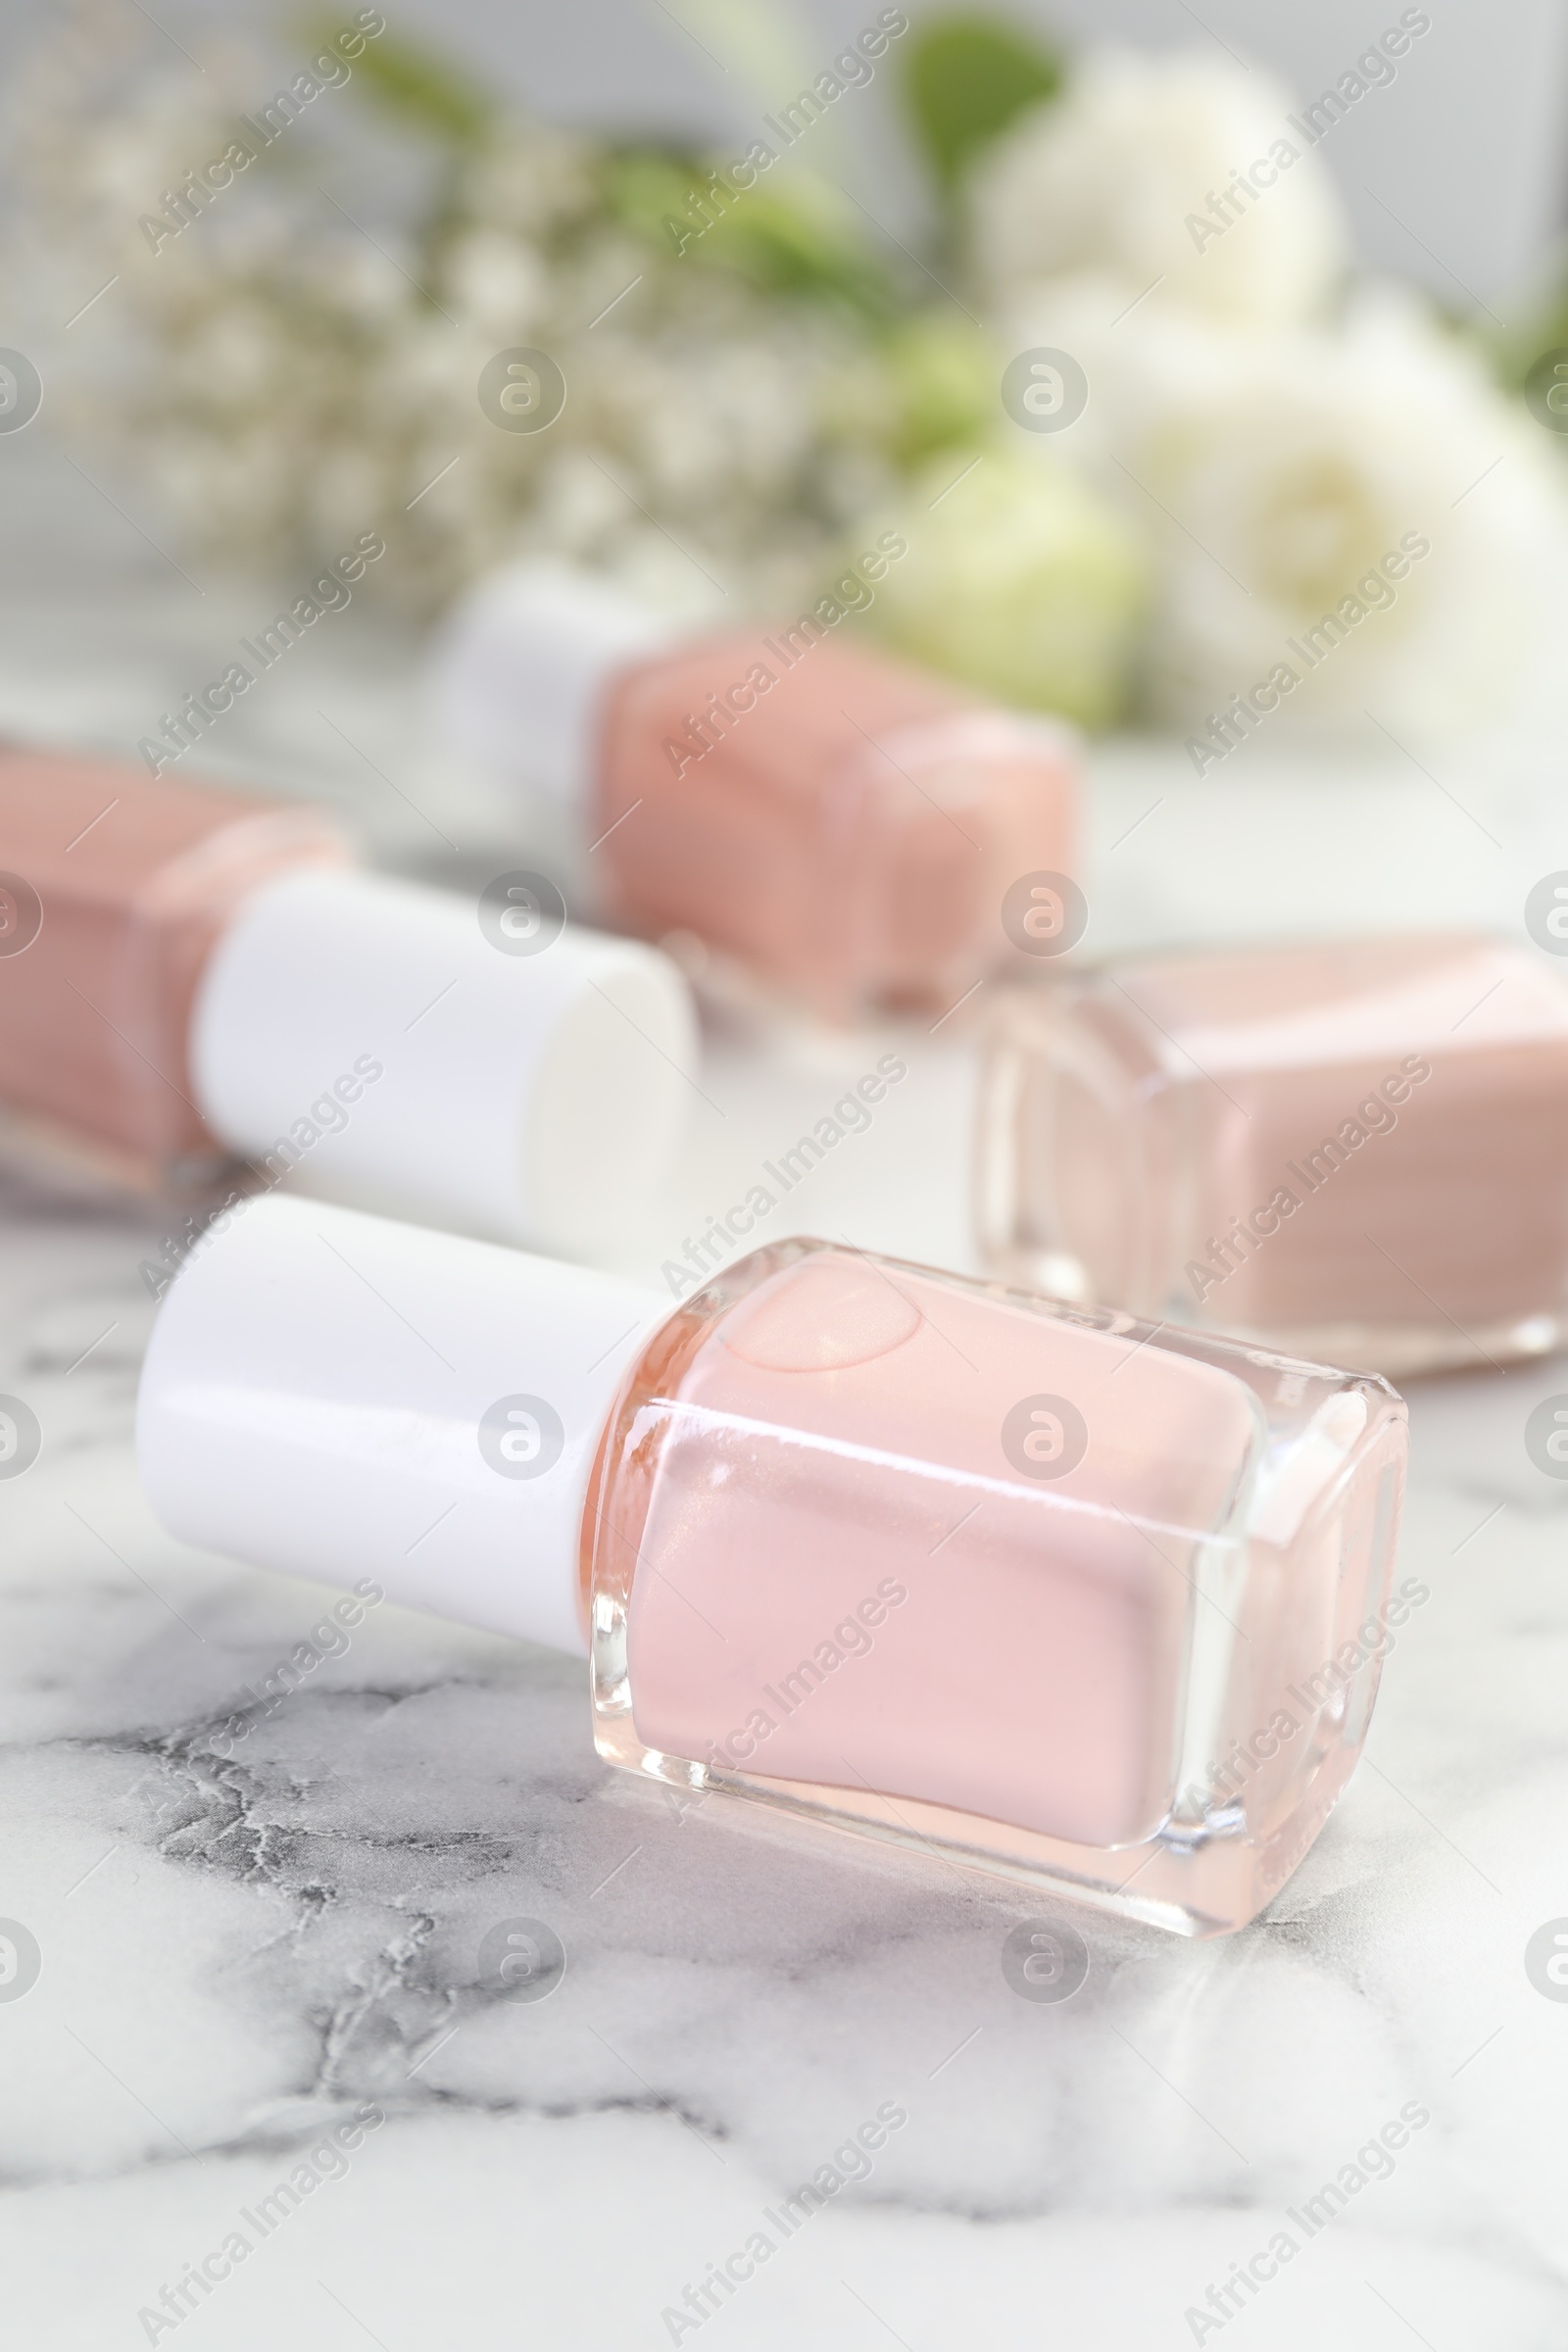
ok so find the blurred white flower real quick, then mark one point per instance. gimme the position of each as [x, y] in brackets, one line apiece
[498, 283]
[1276, 475]
[1241, 471]
[1019, 579]
[1176, 177]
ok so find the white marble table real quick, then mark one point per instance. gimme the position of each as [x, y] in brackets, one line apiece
[239, 1955]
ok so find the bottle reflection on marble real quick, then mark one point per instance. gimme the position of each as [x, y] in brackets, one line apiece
[1354, 1151]
[1051, 1591]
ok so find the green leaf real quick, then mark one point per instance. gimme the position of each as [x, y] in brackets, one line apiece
[419, 90]
[796, 238]
[967, 79]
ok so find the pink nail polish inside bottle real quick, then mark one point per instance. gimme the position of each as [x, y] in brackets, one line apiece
[1354, 1151]
[834, 823]
[1039, 1590]
[117, 889]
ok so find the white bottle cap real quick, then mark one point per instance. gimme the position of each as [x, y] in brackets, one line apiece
[489, 1066]
[521, 668]
[339, 1396]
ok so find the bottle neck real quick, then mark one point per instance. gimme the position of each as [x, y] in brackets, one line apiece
[134, 882]
[178, 917]
[522, 672]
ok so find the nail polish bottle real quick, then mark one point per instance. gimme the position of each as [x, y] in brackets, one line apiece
[191, 978]
[818, 816]
[1352, 1150]
[1037, 1590]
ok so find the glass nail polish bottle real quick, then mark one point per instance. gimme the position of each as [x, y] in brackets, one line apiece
[1044, 1591]
[840, 826]
[192, 979]
[1354, 1150]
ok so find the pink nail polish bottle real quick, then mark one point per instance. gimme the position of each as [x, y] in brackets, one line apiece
[195, 981]
[1353, 1151]
[1036, 1589]
[836, 824]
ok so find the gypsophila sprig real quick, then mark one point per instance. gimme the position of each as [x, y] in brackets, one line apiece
[284, 362]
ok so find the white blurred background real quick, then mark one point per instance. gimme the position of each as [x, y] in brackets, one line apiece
[1456, 178]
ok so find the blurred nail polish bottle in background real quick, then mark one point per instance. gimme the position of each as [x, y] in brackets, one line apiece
[191, 978]
[843, 827]
[1045, 1589]
[1354, 1151]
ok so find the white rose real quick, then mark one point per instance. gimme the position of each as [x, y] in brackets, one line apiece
[1141, 364]
[1175, 173]
[1364, 508]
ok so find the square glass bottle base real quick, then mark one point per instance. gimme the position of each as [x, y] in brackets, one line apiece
[1198, 1887]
